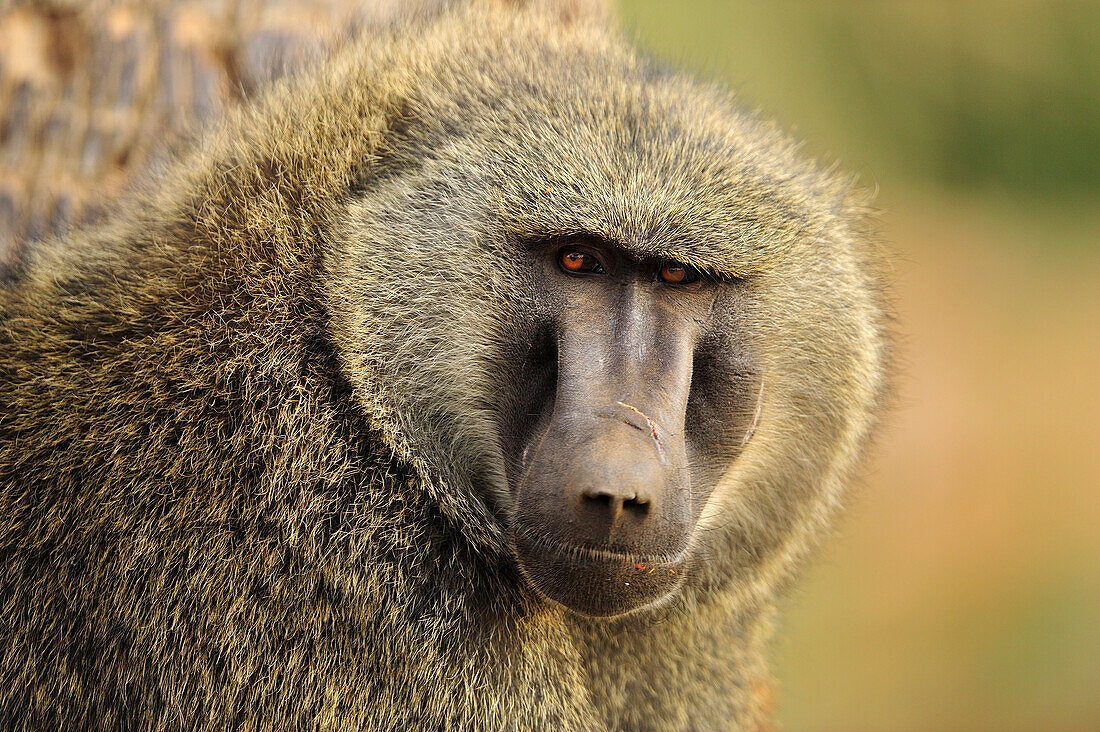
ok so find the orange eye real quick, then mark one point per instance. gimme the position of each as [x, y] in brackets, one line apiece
[574, 260]
[675, 273]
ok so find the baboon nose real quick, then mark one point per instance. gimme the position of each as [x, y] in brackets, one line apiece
[611, 505]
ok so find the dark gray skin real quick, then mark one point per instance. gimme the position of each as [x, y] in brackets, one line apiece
[604, 491]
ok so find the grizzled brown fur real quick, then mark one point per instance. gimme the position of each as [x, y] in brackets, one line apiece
[247, 465]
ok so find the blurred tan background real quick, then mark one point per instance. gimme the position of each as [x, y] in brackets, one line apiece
[963, 590]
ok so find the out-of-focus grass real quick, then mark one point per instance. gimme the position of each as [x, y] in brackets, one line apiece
[995, 93]
[964, 590]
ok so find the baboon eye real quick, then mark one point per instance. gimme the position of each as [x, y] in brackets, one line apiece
[580, 262]
[675, 273]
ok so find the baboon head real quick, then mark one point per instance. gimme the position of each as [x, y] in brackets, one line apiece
[621, 321]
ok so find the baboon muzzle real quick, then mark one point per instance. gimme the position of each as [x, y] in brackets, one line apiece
[603, 508]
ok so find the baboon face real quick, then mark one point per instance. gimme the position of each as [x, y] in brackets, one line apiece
[615, 415]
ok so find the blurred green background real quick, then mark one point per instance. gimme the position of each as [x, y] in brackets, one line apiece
[963, 590]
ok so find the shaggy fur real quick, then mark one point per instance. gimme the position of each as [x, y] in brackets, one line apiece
[250, 473]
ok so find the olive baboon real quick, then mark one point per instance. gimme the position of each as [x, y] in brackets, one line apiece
[486, 377]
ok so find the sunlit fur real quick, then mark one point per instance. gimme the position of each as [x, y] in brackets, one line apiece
[250, 474]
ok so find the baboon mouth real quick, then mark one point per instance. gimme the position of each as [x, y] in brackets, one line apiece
[592, 581]
[594, 555]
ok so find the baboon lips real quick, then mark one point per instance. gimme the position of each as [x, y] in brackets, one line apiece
[597, 583]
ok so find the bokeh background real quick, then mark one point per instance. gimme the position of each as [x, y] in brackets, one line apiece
[963, 591]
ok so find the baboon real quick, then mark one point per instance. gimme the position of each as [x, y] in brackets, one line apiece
[486, 376]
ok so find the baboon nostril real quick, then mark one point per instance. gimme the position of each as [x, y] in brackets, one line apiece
[634, 508]
[600, 499]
